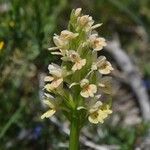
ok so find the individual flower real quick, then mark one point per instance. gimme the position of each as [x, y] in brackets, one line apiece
[55, 70]
[62, 41]
[55, 78]
[97, 114]
[88, 90]
[105, 85]
[102, 65]
[51, 111]
[93, 112]
[76, 59]
[85, 22]
[68, 35]
[97, 43]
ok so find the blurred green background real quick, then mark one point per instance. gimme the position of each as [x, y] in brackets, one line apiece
[26, 30]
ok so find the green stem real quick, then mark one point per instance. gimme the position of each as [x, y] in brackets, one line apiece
[74, 132]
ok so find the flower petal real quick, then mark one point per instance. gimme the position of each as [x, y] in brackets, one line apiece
[92, 88]
[48, 114]
[84, 93]
[56, 83]
[48, 78]
[94, 121]
[93, 117]
[55, 70]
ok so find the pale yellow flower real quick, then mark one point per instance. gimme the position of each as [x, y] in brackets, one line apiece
[97, 114]
[88, 90]
[97, 43]
[59, 42]
[1, 45]
[51, 111]
[79, 64]
[62, 41]
[68, 35]
[102, 65]
[102, 116]
[55, 70]
[94, 117]
[106, 85]
[86, 22]
[55, 79]
[93, 112]
[76, 59]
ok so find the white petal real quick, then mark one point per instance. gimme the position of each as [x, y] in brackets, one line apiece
[79, 65]
[96, 26]
[84, 93]
[74, 67]
[48, 114]
[48, 95]
[55, 70]
[48, 78]
[82, 62]
[78, 12]
[94, 88]
[58, 42]
[56, 53]
[53, 48]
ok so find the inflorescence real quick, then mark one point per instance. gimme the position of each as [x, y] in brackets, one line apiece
[82, 78]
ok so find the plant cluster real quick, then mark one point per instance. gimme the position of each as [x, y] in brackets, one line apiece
[82, 78]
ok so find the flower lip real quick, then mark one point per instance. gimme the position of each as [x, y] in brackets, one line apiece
[79, 64]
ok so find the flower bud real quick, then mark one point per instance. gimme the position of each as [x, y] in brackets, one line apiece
[78, 12]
